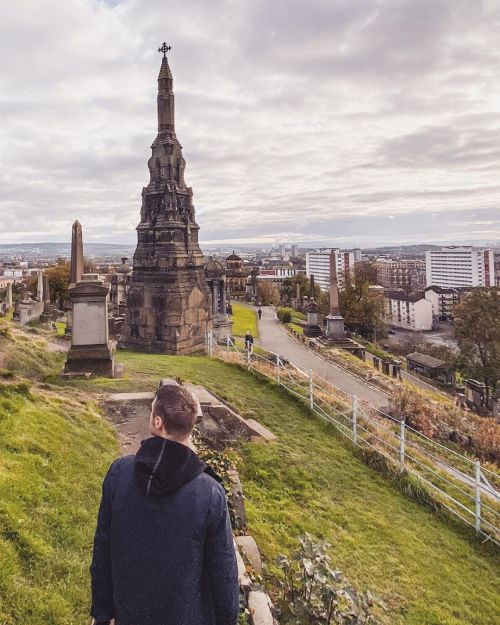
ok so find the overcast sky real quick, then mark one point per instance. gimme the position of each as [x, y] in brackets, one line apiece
[352, 122]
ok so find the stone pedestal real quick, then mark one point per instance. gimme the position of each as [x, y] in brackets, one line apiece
[222, 327]
[335, 327]
[90, 349]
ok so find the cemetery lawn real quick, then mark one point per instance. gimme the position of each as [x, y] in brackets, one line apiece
[428, 570]
[54, 451]
[244, 318]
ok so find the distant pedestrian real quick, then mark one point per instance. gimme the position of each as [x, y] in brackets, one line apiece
[249, 342]
[163, 547]
[259, 312]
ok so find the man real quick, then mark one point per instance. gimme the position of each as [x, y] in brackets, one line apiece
[248, 342]
[163, 547]
[259, 312]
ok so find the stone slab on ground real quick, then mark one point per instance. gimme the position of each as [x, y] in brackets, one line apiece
[250, 550]
[204, 396]
[263, 432]
[220, 424]
[243, 579]
[237, 499]
[260, 608]
[130, 396]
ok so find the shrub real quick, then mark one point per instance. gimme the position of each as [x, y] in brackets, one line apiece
[316, 594]
[284, 314]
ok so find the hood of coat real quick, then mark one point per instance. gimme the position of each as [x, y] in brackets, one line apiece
[163, 466]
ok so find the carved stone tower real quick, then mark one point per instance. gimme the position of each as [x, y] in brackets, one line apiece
[168, 303]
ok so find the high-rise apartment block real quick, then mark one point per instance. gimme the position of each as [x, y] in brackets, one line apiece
[460, 267]
[407, 274]
[318, 264]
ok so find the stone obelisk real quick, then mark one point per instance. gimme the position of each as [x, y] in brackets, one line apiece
[334, 321]
[76, 253]
[168, 307]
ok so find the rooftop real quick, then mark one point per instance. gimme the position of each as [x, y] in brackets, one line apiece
[427, 361]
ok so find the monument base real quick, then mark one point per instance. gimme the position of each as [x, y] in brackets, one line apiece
[156, 346]
[222, 327]
[95, 359]
[335, 327]
[312, 331]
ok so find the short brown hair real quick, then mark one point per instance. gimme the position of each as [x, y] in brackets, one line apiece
[177, 409]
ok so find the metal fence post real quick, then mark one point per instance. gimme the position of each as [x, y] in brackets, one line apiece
[248, 359]
[278, 369]
[311, 390]
[477, 488]
[355, 420]
[402, 463]
[228, 341]
[210, 344]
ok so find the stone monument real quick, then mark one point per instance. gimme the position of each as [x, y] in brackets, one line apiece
[216, 280]
[50, 313]
[312, 328]
[76, 253]
[90, 350]
[168, 299]
[9, 300]
[76, 269]
[334, 321]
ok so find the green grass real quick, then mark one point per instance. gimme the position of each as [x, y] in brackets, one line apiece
[53, 454]
[428, 569]
[60, 328]
[244, 318]
[297, 328]
[28, 357]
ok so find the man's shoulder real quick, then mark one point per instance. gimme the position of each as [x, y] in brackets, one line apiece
[208, 483]
[121, 464]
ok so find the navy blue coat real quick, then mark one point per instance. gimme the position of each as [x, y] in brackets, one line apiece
[163, 548]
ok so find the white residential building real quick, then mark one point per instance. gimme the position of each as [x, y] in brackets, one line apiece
[318, 264]
[409, 312]
[443, 300]
[460, 267]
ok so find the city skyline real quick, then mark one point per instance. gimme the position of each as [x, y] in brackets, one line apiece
[352, 123]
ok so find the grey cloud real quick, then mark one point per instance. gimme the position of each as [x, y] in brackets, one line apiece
[322, 118]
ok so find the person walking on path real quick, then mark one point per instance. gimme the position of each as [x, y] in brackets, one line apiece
[249, 342]
[163, 547]
[259, 312]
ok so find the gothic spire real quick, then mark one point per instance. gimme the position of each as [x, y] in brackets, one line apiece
[165, 94]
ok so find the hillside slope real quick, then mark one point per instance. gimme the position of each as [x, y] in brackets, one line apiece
[53, 454]
[54, 449]
[427, 570]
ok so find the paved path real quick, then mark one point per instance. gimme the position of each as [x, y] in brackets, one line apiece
[276, 339]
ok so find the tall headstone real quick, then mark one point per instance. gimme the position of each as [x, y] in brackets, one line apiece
[39, 287]
[76, 253]
[334, 321]
[90, 350]
[46, 293]
[9, 296]
[168, 302]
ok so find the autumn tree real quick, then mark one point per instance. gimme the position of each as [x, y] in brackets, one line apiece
[362, 307]
[267, 293]
[477, 330]
[58, 276]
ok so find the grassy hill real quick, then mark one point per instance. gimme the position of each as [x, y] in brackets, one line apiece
[53, 453]
[427, 570]
[54, 449]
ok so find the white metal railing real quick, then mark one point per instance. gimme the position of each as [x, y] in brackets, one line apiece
[459, 483]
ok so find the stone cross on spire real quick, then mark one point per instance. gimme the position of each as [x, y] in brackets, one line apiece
[164, 48]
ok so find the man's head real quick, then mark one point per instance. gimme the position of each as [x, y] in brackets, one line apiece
[173, 412]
